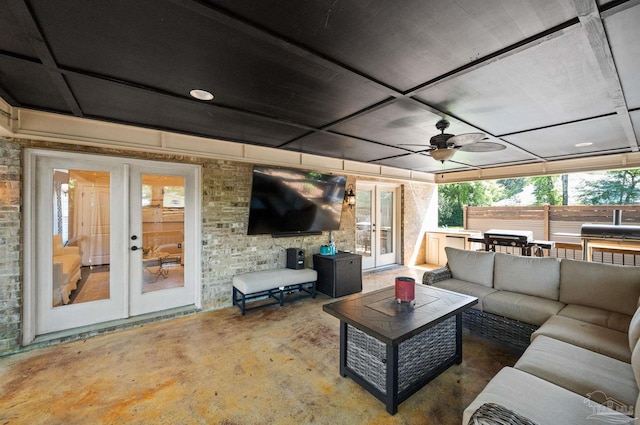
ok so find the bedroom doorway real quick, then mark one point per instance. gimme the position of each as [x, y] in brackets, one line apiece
[107, 239]
[376, 224]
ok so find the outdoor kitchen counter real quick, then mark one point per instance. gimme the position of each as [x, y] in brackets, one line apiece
[438, 239]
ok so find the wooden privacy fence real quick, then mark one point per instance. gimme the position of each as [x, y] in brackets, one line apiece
[561, 224]
[548, 222]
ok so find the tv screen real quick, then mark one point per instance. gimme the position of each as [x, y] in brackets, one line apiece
[288, 201]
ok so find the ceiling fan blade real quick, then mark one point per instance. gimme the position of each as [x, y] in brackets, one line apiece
[412, 144]
[483, 147]
[465, 139]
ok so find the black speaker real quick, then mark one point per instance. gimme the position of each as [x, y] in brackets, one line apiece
[295, 258]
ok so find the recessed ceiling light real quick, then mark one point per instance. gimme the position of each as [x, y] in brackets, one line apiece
[583, 145]
[201, 94]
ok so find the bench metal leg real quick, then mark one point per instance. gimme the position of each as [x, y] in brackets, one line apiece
[240, 299]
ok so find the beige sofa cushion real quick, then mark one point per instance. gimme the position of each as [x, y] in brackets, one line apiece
[597, 316]
[58, 248]
[634, 330]
[579, 370]
[467, 288]
[538, 400]
[535, 276]
[525, 308]
[472, 266]
[596, 338]
[606, 286]
[70, 266]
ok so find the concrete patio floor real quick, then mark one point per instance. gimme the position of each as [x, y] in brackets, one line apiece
[277, 365]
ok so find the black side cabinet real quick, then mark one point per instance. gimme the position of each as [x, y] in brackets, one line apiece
[339, 274]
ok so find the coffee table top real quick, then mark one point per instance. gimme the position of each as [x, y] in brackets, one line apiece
[378, 314]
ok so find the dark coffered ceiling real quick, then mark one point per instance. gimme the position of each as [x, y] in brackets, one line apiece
[357, 80]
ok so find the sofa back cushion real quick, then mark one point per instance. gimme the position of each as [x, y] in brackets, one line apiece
[472, 266]
[535, 276]
[607, 286]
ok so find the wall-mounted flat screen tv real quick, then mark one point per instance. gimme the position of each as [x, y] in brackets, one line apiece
[286, 202]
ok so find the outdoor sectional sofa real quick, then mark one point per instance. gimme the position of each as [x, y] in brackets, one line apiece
[582, 322]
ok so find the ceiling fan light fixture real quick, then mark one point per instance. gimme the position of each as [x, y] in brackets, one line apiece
[201, 94]
[443, 155]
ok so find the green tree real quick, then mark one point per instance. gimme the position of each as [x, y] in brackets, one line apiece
[615, 188]
[545, 190]
[510, 187]
[453, 197]
[565, 189]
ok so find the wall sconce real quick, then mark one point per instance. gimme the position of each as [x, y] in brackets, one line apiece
[350, 197]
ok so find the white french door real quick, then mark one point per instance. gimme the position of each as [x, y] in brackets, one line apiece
[376, 224]
[107, 238]
[160, 239]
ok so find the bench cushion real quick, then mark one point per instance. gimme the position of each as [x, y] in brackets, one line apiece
[579, 370]
[596, 338]
[264, 280]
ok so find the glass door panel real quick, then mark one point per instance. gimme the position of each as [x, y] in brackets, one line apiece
[162, 200]
[386, 230]
[162, 203]
[75, 266]
[365, 242]
[81, 255]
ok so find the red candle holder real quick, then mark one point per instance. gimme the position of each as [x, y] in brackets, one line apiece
[405, 289]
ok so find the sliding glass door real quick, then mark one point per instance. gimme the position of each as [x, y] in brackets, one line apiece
[107, 239]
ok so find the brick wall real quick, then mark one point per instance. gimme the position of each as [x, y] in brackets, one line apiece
[419, 212]
[10, 246]
[226, 249]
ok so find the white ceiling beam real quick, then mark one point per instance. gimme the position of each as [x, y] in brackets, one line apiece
[566, 166]
[593, 26]
[7, 119]
[38, 125]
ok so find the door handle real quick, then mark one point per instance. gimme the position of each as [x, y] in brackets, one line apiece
[135, 248]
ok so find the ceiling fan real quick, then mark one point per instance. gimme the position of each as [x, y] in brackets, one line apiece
[444, 145]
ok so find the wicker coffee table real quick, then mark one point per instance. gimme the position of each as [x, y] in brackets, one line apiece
[392, 350]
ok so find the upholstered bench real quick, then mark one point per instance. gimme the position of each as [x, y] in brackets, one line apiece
[274, 283]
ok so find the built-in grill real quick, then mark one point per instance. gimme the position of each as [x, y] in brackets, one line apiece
[522, 239]
[608, 236]
[610, 231]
